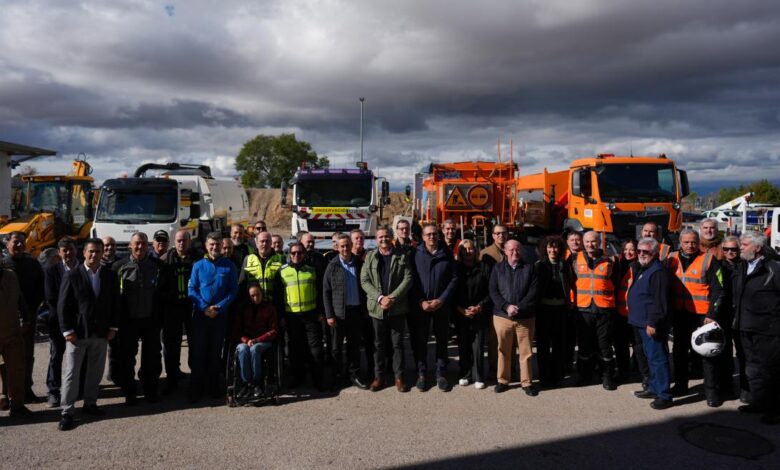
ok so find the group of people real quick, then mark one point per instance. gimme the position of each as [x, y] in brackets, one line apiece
[335, 311]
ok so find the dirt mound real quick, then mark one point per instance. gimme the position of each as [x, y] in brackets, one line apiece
[264, 204]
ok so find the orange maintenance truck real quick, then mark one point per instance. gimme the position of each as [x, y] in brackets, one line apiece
[610, 194]
[476, 195]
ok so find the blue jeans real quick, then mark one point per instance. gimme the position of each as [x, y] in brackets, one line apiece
[657, 352]
[208, 335]
[250, 361]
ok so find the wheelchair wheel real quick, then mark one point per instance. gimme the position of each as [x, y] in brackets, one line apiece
[231, 377]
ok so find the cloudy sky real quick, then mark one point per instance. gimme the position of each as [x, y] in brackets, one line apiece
[132, 81]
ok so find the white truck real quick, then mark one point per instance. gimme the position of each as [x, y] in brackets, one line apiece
[329, 200]
[181, 196]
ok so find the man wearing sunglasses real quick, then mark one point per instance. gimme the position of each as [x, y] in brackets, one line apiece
[296, 295]
[731, 264]
[648, 313]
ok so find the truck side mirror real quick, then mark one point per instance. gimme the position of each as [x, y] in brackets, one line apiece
[194, 210]
[385, 193]
[283, 195]
[684, 188]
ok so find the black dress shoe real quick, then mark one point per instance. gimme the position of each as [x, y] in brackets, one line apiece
[531, 391]
[660, 404]
[92, 410]
[66, 423]
[647, 394]
[608, 383]
[443, 385]
[501, 388]
[421, 385]
[714, 402]
[358, 383]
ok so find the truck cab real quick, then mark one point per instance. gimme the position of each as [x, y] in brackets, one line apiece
[329, 200]
[618, 195]
[181, 197]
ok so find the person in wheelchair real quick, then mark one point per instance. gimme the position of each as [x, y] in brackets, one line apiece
[256, 327]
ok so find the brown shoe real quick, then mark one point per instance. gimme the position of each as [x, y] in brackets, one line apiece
[400, 385]
[377, 384]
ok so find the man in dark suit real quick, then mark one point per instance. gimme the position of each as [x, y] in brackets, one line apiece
[88, 314]
[53, 275]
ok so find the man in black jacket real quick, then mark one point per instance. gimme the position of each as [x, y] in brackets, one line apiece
[757, 317]
[177, 317]
[344, 302]
[30, 275]
[88, 314]
[142, 284]
[648, 313]
[53, 275]
[513, 285]
[435, 282]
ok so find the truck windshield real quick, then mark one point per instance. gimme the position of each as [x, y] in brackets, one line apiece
[334, 192]
[125, 207]
[636, 182]
[49, 196]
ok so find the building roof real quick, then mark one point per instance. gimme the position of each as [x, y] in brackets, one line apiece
[20, 153]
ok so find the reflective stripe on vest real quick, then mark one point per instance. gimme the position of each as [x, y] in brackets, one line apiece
[594, 285]
[691, 292]
[621, 297]
[264, 277]
[300, 288]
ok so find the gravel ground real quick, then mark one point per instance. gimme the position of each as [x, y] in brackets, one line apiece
[580, 428]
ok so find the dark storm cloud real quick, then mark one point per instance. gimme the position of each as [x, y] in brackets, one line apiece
[698, 80]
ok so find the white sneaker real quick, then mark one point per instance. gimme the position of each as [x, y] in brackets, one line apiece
[479, 385]
[463, 382]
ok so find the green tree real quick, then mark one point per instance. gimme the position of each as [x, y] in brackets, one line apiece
[763, 191]
[266, 161]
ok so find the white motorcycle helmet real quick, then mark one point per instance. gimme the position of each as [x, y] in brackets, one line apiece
[708, 340]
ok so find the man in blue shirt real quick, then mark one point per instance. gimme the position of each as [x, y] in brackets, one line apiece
[213, 287]
[344, 302]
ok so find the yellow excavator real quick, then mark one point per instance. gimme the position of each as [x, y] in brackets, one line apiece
[50, 207]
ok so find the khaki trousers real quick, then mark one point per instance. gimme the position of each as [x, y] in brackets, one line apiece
[507, 331]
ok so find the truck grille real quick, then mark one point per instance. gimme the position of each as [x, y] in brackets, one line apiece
[624, 224]
[328, 225]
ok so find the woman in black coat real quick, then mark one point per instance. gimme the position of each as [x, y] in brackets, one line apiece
[472, 314]
[553, 309]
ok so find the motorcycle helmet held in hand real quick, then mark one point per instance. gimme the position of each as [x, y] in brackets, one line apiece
[708, 340]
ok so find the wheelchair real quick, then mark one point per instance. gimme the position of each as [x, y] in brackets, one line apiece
[272, 378]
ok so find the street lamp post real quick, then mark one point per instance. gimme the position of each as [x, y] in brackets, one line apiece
[362, 99]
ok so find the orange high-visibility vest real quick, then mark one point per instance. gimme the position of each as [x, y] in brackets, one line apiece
[594, 285]
[691, 292]
[621, 297]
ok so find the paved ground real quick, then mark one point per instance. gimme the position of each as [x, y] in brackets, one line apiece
[465, 428]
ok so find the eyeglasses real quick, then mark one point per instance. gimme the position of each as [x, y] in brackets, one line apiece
[500, 234]
[296, 253]
[730, 249]
[432, 234]
[645, 252]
